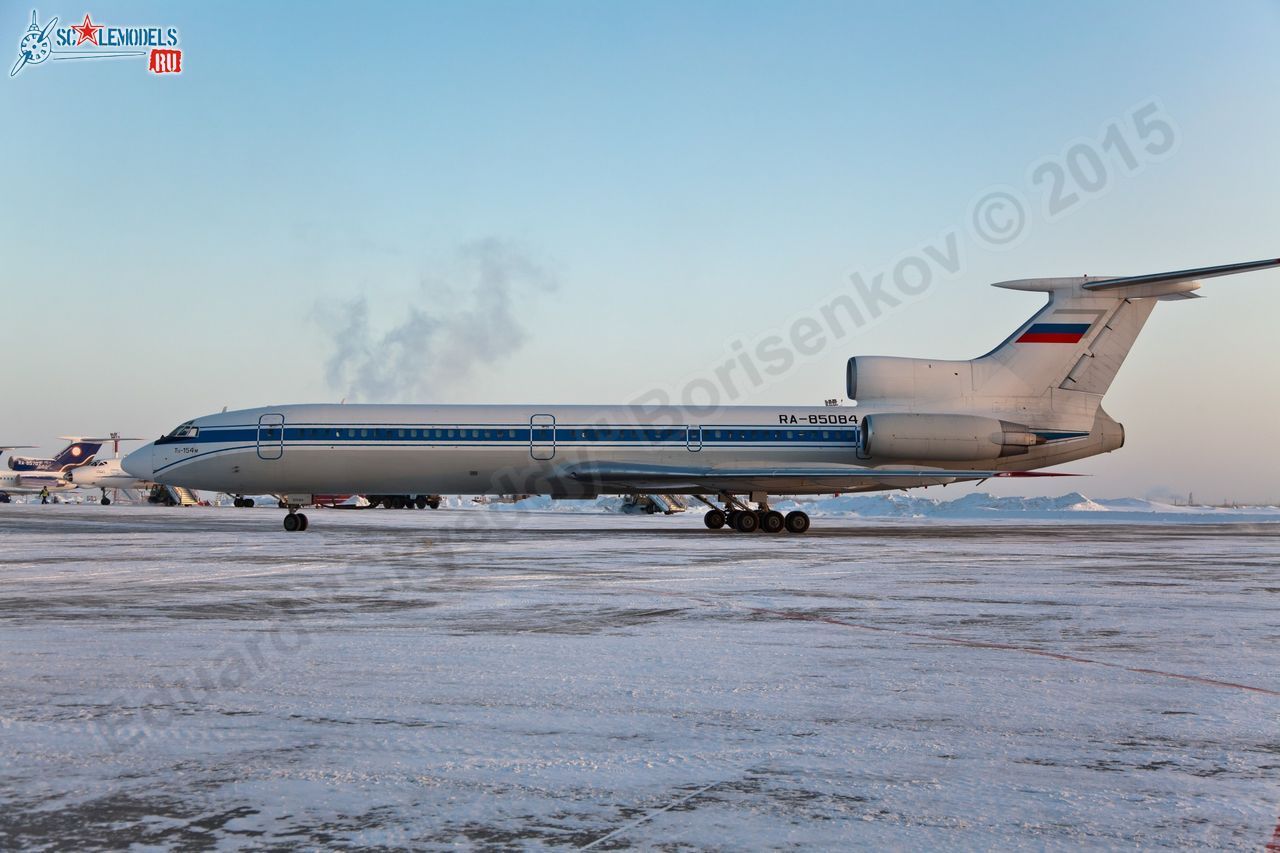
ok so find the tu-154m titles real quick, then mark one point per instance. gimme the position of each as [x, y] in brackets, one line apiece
[1032, 402]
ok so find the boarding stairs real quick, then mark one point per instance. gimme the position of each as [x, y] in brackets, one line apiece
[665, 504]
[173, 496]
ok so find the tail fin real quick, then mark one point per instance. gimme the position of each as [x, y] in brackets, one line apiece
[75, 454]
[1075, 343]
[1055, 368]
[1078, 341]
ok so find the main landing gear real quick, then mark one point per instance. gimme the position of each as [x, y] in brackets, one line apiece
[295, 521]
[104, 500]
[743, 519]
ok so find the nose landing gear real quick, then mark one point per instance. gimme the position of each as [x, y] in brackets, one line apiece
[295, 521]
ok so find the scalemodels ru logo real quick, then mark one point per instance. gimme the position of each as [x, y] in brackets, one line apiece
[88, 40]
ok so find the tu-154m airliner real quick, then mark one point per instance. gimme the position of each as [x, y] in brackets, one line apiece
[1032, 402]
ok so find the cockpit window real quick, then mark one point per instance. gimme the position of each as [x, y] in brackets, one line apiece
[187, 430]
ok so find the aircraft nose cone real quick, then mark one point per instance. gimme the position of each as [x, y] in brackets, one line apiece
[139, 463]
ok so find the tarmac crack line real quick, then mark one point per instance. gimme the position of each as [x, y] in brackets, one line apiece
[1010, 647]
[648, 816]
[973, 644]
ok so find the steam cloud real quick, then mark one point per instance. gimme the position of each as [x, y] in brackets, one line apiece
[455, 327]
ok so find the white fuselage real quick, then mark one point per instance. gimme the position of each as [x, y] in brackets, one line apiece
[421, 449]
[31, 482]
[104, 474]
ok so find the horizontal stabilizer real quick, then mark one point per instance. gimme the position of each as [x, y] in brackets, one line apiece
[1180, 275]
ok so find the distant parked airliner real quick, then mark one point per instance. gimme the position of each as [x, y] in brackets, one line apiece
[1032, 402]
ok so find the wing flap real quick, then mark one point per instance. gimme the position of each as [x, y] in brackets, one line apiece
[776, 479]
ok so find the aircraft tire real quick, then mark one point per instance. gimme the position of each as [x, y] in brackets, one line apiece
[305, 524]
[796, 522]
[420, 501]
[291, 523]
[434, 502]
[772, 522]
[746, 522]
[714, 519]
[106, 501]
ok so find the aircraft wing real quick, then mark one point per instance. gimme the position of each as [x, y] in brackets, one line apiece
[779, 480]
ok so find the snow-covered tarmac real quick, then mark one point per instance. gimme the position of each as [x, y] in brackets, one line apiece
[198, 677]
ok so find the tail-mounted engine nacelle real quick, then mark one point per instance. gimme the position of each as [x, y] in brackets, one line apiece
[943, 438]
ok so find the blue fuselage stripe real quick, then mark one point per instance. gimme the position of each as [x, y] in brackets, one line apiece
[448, 436]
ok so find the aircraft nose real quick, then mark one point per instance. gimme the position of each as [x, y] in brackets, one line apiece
[139, 463]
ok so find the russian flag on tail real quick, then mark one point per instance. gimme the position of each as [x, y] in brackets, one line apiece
[1054, 333]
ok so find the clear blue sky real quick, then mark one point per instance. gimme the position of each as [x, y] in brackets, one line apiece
[650, 181]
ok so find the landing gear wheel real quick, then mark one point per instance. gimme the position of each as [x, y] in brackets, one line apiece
[420, 501]
[106, 501]
[746, 522]
[305, 523]
[434, 501]
[772, 522]
[714, 519]
[292, 522]
[796, 522]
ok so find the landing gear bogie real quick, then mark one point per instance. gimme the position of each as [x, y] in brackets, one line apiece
[739, 516]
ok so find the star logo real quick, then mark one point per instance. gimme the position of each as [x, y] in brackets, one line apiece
[87, 32]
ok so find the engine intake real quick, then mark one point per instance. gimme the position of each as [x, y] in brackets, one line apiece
[943, 438]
